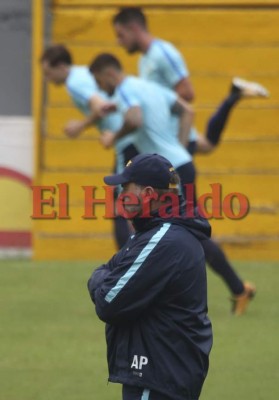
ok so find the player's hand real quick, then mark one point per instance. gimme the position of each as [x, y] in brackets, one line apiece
[74, 128]
[108, 108]
[107, 139]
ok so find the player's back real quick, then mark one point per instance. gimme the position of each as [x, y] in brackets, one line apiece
[163, 63]
[81, 86]
[156, 134]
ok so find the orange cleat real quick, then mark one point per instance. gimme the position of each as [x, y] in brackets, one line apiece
[241, 302]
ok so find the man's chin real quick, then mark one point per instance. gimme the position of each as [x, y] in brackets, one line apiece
[131, 213]
[133, 50]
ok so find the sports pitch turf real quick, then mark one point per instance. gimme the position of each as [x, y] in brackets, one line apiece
[52, 345]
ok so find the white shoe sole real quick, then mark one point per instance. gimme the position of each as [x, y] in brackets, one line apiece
[250, 89]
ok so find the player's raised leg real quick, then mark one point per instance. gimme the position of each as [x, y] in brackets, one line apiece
[240, 89]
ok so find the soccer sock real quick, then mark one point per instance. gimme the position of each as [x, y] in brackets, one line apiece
[218, 121]
[121, 231]
[217, 260]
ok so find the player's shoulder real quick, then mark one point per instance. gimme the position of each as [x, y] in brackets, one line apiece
[131, 82]
[79, 71]
[165, 48]
[80, 74]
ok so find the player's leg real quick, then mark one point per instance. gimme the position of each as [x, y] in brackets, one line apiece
[122, 228]
[242, 292]
[213, 254]
[240, 89]
[121, 231]
[187, 174]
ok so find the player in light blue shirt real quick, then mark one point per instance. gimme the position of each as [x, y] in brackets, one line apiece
[85, 94]
[163, 63]
[90, 100]
[147, 108]
[82, 88]
[156, 103]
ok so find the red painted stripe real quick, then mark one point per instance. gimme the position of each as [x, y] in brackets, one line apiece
[20, 239]
[18, 176]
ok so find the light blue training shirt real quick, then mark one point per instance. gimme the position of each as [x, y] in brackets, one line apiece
[155, 135]
[82, 86]
[164, 64]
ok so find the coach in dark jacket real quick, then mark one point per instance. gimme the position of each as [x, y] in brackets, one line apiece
[153, 294]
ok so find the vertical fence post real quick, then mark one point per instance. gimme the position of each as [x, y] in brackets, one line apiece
[37, 83]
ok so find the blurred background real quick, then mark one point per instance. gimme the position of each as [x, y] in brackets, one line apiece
[218, 39]
[51, 343]
[16, 128]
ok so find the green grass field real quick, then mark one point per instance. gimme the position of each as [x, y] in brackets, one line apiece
[52, 345]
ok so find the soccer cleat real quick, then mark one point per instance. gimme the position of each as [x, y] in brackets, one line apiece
[249, 89]
[241, 302]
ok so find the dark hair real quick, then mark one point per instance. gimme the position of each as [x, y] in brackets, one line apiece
[57, 54]
[130, 14]
[174, 180]
[105, 60]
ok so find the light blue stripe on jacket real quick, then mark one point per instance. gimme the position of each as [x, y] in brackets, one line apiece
[137, 263]
[145, 394]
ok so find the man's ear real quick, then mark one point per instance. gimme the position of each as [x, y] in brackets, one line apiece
[148, 193]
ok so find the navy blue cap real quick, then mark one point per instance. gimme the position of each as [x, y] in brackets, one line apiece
[145, 170]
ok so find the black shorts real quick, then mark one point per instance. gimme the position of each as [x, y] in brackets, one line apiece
[187, 175]
[127, 153]
[136, 393]
[192, 147]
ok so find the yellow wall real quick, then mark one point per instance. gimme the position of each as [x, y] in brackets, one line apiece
[15, 206]
[218, 40]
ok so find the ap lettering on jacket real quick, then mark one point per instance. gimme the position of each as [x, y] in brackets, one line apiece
[139, 362]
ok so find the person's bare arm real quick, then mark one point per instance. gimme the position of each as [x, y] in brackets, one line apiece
[186, 116]
[98, 107]
[184, 89]
[132, 121]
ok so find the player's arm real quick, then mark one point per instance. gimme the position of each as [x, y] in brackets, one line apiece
[98, 110]
[132, 121]
[184, 89]
[175, 72]
[185, 113]
[98, 277]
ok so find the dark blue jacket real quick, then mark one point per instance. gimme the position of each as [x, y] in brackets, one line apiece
[153, 296]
